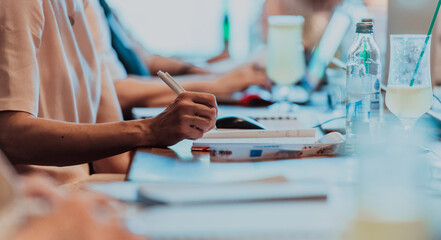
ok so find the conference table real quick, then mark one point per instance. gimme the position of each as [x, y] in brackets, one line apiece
[331, 217]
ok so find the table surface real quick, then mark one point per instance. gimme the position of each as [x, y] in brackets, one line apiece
[329, 219]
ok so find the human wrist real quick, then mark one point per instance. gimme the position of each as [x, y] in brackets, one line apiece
[140, 132]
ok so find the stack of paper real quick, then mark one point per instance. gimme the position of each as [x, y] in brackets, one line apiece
[245, 138]
[264, 145]
[227, 194]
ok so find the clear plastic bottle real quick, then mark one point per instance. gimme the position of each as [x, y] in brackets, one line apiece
[363, 77]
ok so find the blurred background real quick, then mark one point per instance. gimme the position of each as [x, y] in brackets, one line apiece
[203, 30]
[195, 29]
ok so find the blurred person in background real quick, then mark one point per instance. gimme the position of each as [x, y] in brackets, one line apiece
[137, 86]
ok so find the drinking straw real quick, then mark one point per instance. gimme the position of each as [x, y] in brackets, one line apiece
[425, 43]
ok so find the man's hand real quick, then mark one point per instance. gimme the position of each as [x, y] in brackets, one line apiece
[188, 117]
[241, 78]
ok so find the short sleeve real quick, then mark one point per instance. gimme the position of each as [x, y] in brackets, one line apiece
[109, 109]
[114, 66]
[101, 35]
[21, 27]
[112, 70]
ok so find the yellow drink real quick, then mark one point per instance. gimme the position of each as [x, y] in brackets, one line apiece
[409, 102]
[286, 60]
[378, 230]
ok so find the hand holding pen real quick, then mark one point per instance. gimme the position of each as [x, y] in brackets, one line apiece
[188, 117]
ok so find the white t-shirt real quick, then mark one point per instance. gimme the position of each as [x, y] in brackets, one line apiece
[55, 61]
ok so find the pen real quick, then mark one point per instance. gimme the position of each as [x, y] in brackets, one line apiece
[171, 82]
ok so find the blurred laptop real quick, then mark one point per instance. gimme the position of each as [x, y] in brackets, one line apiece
[325, 51]
[323, 54]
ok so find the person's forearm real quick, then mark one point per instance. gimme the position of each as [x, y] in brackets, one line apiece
[47, 142]
[173, 66]
[36, 141]
[151, 92]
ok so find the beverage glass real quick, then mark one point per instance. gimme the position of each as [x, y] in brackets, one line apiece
[390, 203]
[286, 58]
[409, 93]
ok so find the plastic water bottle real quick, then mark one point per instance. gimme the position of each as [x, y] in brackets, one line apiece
[363, 76]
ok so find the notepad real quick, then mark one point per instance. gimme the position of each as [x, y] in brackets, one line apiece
[217, 134]
[245, 149]
[253, 137]
[255, 113]
[272, 120]
[287, 220]
[229, 193]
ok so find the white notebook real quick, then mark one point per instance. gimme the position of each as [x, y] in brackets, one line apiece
[260, 113]
[294, 133]
[229, 193]
[251, 221]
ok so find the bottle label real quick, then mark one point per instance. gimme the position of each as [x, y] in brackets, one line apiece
[377, 85]
[375, 109]
[358, 106]
[355, 109]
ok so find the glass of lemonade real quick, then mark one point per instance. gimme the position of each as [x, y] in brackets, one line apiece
[406, 98]
[286, 58]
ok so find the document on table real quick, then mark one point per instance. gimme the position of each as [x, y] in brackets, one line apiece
[295, 133]
[147, 167]
[252, 221]
[234, 148]
[229, 193]
[260, 113]
[269, 119]
[254, 137]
